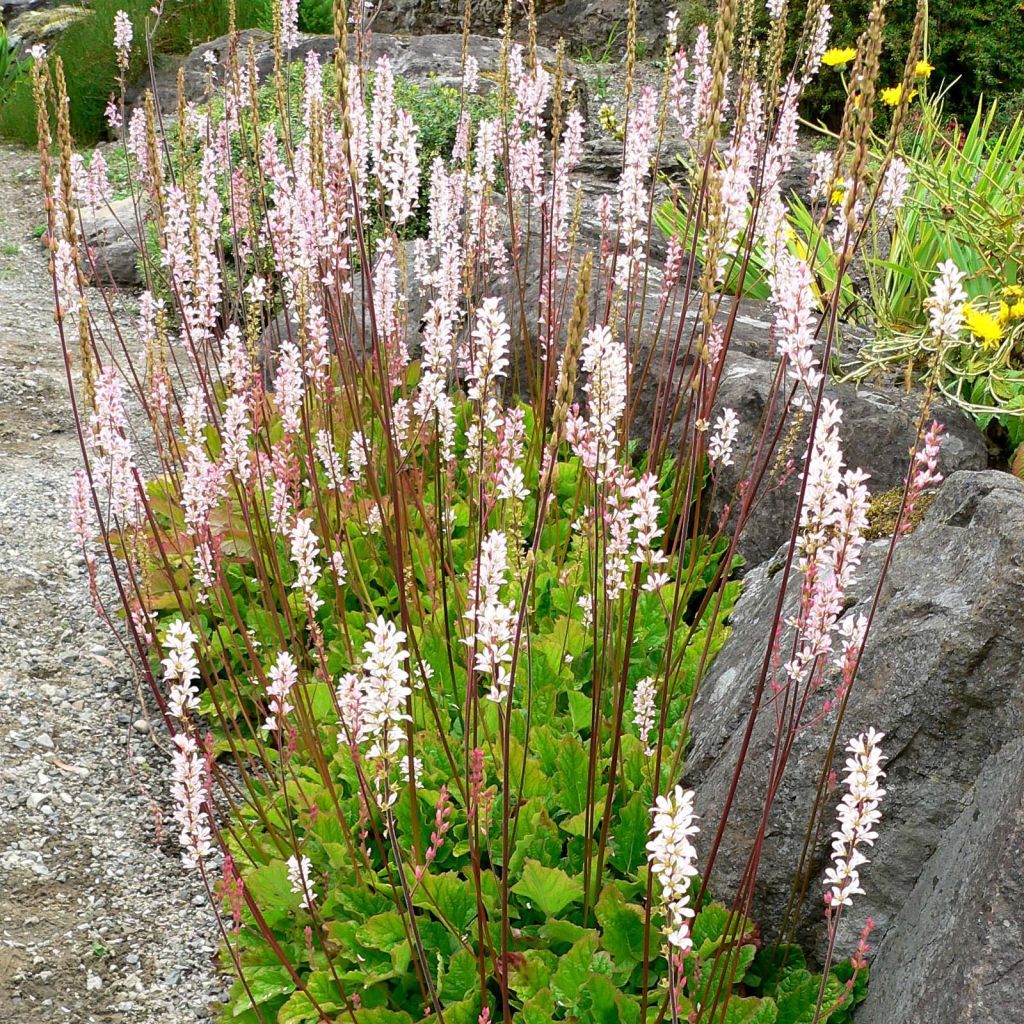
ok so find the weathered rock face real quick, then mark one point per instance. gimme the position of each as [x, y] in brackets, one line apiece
[113, 240]
[879, 432]
[952, 955]
[943, 678]
[581, 23]
[44, 24]
[426, 59]
[11, 8]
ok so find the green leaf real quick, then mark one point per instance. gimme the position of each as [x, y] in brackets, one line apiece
[532, 972]
[561, 933]
[574, 970]
[539, 840]
[460, 979]
[630, 836]
[379, 1015]
[550, 889]
[271, 890]
[465, 1011]
[580, 710]
[570, 789]
[383, 932]
[622, 928]
[300, 1007]
[751, 1010]
[262, 984]
[607, 1004]
[797, 997]
[452, 894]
[540, 1009]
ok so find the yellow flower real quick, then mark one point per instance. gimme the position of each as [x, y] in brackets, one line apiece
[922, 69]
[892, 96]
[1012, 303]
[838, 194]
[837, 58]
[984, 326]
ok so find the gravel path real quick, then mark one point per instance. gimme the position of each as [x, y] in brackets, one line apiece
[98, 922]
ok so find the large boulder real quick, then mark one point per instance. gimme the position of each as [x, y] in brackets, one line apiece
[433, 59]
[111, 234]
[598, 26]
[879, 432]
[9, 9]
[44, 24]
[942, 676]
[953, 953]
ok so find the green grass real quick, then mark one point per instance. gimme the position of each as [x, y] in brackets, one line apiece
[90, 68]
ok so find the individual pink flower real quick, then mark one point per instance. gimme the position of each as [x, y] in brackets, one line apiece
[492, 620]
[299, 872]
[858, 815]
[305, 547]
[181, 669]
[82, 514]
[603, 359]
[113, 461]
[289, 24]
[645, 696]
[188, 790]
[283, 677]
[726, 431]
[673, 860]
[925, 472]
[792, 288]
[288, 387]
[894, 188]
[945, 304]
[489, 353]
[123, 39]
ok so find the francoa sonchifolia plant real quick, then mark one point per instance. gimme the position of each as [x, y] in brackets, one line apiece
[425, 618]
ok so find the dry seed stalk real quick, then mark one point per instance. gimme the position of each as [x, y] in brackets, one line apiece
[67, 198]
[728, 13]
[899, 115]
[154, 164]
[570, 359]
[863, 115]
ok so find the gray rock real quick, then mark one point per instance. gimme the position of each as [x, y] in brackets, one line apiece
[953, 953]
[425, 59]
[44, 24]
[111, 234]
[9, 9]
[942, 676]
[583, 24]
[879, 430]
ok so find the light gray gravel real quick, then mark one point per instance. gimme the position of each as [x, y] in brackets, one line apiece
[98, 921]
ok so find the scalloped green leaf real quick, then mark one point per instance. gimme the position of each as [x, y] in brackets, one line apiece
[551, 890]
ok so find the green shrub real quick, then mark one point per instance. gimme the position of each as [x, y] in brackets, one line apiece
[12, 66]
[90, 68]
[976, 46]
[316, 16]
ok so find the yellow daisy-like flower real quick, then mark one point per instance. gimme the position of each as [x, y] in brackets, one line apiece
[922, 69]
[892, 96]
[1012, 305]
[837, 58]
[984, 326]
